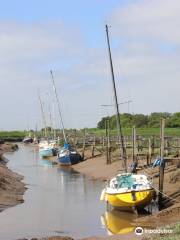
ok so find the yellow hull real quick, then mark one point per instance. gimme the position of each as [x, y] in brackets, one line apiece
[117, 222]
[130, 199]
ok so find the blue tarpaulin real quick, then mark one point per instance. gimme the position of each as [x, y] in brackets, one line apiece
[158, 162]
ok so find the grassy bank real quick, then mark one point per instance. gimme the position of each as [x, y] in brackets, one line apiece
[174, 132]
[12, 134]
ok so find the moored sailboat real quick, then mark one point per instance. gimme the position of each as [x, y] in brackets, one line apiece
[47, 148]
[66, 155]
[125, 190]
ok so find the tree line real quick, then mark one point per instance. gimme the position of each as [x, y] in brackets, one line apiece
[142, 121]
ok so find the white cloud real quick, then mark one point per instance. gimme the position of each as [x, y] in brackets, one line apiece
[155, 19]
[147, 56]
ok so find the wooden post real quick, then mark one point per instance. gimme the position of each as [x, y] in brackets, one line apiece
[107, 143]
[153, 145]
[167, 147]
[162, 165]
[178, 147]
[149, 151]
[107, 155]
[103, 143]
[75, 139]
[134, 157]
[84, 143]
[93, 146]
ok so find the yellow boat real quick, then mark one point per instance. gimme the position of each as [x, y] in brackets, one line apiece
[117, 222]
[128, 190]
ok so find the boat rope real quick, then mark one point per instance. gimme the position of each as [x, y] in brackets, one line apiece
[173, 199]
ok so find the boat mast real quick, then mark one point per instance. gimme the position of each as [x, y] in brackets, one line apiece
[59, 110]
[43, 115]
[119, 128]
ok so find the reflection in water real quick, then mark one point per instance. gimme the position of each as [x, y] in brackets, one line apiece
[59, 201]
[45, 163]
[118, 222]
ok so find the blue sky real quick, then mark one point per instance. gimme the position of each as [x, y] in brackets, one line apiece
[80, 11]
[90, 16]
[69, 37]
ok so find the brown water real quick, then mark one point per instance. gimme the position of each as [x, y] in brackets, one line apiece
[58, 201]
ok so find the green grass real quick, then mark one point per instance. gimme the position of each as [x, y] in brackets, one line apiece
[174, 132]
[12, 134]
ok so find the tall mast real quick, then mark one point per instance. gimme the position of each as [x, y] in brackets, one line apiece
[43, 115]
[59, 109]
[122, 147]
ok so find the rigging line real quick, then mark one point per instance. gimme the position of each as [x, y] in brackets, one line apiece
[59, 111]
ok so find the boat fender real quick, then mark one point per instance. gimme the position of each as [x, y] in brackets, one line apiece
[103, 195]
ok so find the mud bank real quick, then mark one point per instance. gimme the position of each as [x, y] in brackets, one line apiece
[115, 237]
[11, 186]
[48, 238]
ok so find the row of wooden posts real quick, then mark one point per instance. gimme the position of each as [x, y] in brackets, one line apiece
[136, 143]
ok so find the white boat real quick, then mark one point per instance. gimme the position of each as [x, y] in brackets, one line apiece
[47, 148]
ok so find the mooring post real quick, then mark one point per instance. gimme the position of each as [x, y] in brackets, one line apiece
[75, 139]
[178, 145]
[84, 143]
[94, 144]
[162, 164]
[149, 152]
[107, 155]
[107, 142]
[103, 143]
[153, 145]
[134, 144]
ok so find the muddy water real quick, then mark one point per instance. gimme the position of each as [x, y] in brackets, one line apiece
[58, 201]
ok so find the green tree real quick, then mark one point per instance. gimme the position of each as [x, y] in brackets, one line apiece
[102, 124]
[174, 120]
[154, 118]
[140, 120]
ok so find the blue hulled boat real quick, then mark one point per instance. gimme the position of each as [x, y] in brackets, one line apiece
[67, 156]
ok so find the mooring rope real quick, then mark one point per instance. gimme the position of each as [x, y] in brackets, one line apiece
[173, 199]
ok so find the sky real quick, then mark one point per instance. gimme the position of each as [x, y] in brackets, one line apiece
[69, 38]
